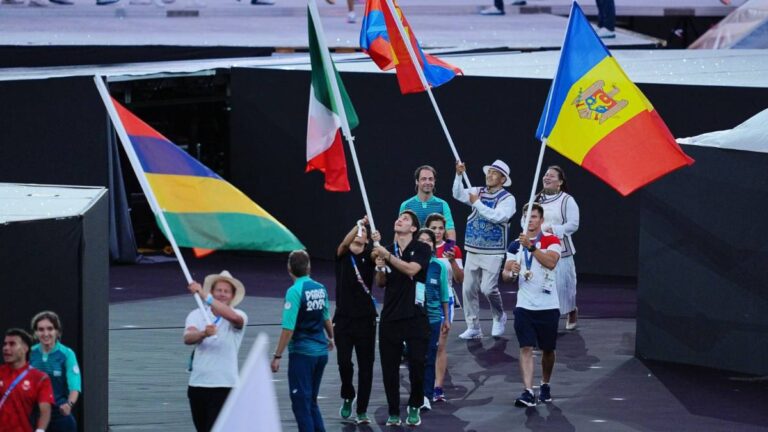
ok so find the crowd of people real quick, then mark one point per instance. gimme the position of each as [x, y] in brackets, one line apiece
[417, 271]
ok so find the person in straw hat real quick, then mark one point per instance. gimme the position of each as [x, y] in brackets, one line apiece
[486, 244]
[213, 364]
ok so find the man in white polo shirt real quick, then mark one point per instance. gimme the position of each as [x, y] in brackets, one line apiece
[532, 259]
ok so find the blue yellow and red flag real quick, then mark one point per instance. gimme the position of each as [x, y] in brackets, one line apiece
[598, 118]
[381, 40]
[202, 209]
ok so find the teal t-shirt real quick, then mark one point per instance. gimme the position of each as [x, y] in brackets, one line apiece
[305, 312]
[424, 209]
[437, 290]
[60, 364]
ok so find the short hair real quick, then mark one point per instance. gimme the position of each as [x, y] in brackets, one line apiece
[24, 336]
[537, 207]
[417, 173]
[298, 263]
[50, 316]
[414, 218]
[435, 217]
[430, 233]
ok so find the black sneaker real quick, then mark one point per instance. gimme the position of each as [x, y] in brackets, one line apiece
[527, 399]
[545, 394]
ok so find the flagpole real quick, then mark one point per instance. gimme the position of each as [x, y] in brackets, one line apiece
[527, 214]
[420, 72]
[140, 175]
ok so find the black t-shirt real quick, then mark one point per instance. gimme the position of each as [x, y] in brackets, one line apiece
[400, 291]
[351, 299]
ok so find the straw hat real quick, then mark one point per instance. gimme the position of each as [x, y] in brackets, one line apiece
[211, 280]
[501, 167]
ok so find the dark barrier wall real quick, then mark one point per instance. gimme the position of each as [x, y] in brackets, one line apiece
[702, 283]
[62, 265]
[53, 132]
[489, 118]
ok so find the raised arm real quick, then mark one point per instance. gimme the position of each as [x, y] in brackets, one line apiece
[221, 309]
[344, 245]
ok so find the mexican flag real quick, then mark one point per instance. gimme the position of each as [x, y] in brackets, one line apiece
[325, 150]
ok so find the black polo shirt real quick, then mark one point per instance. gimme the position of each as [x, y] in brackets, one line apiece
[351, 299]
[400, 290]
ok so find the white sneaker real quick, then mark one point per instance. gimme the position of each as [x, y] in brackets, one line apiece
[351, 17]
[471, 333]
[499, 326]
[604, 33]
[492, 10]
[427, 406]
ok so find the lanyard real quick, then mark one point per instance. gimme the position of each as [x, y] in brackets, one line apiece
[529, 256]
[397, 250]
[359, 276]
[13, 385]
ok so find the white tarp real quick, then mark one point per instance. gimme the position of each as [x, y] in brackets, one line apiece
[752, 135]
[746, 27]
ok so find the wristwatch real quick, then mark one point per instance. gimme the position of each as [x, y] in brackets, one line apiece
[532, 247]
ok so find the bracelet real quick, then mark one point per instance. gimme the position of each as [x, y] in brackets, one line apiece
[277, 356]
[209, 299]
[70, 403]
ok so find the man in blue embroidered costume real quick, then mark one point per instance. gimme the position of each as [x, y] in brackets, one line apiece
[485, 242]
[537, 311]
[424, 203]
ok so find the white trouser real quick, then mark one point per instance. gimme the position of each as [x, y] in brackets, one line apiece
[481, 274]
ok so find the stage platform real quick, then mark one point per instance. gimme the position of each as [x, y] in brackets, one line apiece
[598, 384]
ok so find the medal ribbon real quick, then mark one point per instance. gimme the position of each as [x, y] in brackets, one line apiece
[528, 255]
[13, 385]
[359, 276]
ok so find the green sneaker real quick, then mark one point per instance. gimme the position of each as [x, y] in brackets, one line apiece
[346, 409]
[414, 417]
[394, 420]
[363, 418]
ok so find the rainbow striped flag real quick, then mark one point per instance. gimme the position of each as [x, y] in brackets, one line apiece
[202, 209]
[598, 118]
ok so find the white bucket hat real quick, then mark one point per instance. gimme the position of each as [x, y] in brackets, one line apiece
[211, 280]
[501, 167]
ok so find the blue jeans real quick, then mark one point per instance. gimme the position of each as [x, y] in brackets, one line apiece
[304, 376]
[606, 14]
[429, 367]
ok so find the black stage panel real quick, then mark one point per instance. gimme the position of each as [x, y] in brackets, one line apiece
[702, 283]
[54, 131]
[62, 265]
[489, 118]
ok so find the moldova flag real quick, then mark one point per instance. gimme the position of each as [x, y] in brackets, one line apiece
[382, 41]
[598, 118]
[202, 209]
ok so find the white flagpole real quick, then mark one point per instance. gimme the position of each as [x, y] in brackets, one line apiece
[420, 72]
[330, 73]
[140, 175]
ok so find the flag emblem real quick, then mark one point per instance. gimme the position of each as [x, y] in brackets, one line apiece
[597, 104]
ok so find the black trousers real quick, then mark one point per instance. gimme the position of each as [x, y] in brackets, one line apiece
[392, 334]
[358, 334]
[205, 403]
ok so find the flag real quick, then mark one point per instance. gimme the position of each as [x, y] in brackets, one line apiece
[381, 40]
[598, 118]
[202, 209]
[252, 403]
[325, 150]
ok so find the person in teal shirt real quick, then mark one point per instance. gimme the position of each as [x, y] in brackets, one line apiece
[306, 314]
[425, 202]
[437, 296]
[60, 363]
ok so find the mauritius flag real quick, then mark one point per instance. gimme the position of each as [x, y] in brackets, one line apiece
[598, 118]
[382, 41]
[325, 150]
[202, 209]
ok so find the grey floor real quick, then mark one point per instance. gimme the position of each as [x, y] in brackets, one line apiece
[598, 384]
